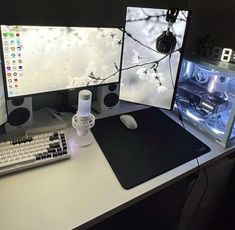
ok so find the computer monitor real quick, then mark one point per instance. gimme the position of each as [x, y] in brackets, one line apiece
[3, 112]
[39, 59]
[152, 55]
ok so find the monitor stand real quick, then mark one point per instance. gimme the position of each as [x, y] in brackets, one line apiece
[65, 105]
[45, 120]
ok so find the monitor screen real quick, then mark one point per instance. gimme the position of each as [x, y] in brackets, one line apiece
[3, 112]
[40, 59]
[151, 55]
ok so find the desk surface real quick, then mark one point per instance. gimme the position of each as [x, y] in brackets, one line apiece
[68, 194]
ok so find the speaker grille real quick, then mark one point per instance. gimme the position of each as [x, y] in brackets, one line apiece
[18, 116]
[112, 87]
[111, 99]
[17, 101]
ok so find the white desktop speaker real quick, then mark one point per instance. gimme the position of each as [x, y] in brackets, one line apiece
[108, 97]
[20, 113]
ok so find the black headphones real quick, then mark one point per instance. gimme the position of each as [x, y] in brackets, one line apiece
[166, 42]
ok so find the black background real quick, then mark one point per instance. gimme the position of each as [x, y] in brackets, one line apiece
[74, 12]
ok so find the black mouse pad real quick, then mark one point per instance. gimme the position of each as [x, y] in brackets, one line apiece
[156, 146]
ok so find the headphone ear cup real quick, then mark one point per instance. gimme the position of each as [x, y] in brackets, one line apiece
[166, 42]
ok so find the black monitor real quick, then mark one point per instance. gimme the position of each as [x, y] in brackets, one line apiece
[3, 112]
[39, 59]
[152, 53]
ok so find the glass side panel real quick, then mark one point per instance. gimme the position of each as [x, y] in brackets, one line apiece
[205, 97]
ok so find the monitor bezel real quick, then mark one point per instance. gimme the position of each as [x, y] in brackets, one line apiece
[59, 90]
[181, 52]
[6, 109]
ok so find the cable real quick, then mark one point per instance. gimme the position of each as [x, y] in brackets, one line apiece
[200, 200]
[192, 187]
[172, 82]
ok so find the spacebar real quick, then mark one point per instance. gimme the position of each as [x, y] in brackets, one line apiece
[10, 164]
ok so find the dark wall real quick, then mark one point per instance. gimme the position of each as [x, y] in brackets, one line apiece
[214, 19]
[74, 12]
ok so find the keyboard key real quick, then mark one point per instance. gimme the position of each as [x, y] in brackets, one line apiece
[30, 151]
[54, 145]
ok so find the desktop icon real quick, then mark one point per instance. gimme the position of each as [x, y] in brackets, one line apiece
[5, 34]
[11, 34]
[7, 55]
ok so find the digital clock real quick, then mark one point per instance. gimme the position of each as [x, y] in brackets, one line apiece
[223, 54]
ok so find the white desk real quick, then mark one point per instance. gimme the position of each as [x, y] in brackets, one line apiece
[67, 194]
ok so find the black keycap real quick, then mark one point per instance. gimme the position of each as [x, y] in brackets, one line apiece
[38, 157]
[50, 150]
[65, 151]
[14, 142]
[24, 140]
[48, 155]
[58, 149]
[60, 153]
[51, 138]
[54, 145]
[44, 155]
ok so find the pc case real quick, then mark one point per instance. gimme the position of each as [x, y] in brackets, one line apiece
[206, 98]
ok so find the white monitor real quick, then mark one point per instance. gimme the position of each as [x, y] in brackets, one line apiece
[3, 112]
[39, 59]
[149, 76]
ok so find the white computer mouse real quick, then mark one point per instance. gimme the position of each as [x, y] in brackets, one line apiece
[129, 121]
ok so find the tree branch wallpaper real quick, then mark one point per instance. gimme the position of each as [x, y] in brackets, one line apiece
[149, 76]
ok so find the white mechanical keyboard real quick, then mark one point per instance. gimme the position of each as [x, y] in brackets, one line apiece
[32, 151]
